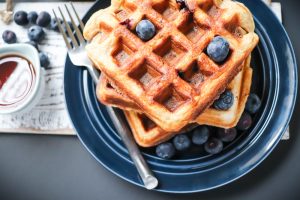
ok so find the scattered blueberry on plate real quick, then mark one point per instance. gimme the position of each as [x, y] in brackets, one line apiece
[200, 135]
[225, 101]
[245, 122]
[36, 33]
[20, 18]
[181, 142]
[227, 135]
[44, 60]
[213, 146]
[211, 138]
[165, 150]
[253, 103]
[32, 17]
[43, 19]
[218, 49]
[145, 30]
[9, 37]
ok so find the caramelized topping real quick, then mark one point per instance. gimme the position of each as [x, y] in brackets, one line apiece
[126, 23]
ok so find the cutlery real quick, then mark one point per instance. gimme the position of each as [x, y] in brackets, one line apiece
[78, 56]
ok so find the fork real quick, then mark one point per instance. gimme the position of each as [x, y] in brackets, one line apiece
[78, 56]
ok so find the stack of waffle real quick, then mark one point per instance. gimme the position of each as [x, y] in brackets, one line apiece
[166, 85]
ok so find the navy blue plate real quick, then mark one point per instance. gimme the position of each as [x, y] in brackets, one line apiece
[274, 79]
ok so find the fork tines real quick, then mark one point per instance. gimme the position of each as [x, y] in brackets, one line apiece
[76, 37]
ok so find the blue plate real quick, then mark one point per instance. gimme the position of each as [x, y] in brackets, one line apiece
[274, 79]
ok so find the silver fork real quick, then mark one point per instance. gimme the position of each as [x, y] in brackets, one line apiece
[78, 56]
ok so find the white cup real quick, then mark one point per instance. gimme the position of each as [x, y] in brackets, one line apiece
[31, 54]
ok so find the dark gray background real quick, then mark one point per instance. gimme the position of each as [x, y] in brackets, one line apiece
[59, 167]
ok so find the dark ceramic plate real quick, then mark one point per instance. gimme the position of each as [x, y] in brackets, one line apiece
[274, 80]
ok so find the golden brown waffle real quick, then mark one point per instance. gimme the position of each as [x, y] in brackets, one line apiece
[109, 94]
[147, 133]
[240, 87]
[147, 72]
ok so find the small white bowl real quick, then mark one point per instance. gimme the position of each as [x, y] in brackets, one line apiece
[30, 53]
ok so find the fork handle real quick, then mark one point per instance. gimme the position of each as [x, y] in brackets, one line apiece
[115, 114]
[145, 173]
[94, 73]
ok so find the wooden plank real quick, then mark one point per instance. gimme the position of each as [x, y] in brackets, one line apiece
[49, 116]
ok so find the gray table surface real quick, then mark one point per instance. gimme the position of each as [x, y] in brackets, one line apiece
[59, 167]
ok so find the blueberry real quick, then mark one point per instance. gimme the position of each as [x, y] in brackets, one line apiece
[225, 101]
[181, 142]
[145, 30]
[218, 49]
[36, 33]
[253, 103]
[20, 18]
[44, 60]
[213, 146]
[33, 43]
[43, 19]
[54, 24]
[227, 135]
[200, 135]
[165, 150]
[9, 37]
[32, 16]
[245, 122]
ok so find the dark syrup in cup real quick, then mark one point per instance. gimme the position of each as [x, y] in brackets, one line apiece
[17, 80]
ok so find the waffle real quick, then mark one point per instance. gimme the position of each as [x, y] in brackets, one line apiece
[109, 94]
[147, 72]
[240, 87]
[148, 134]
[141, 125]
